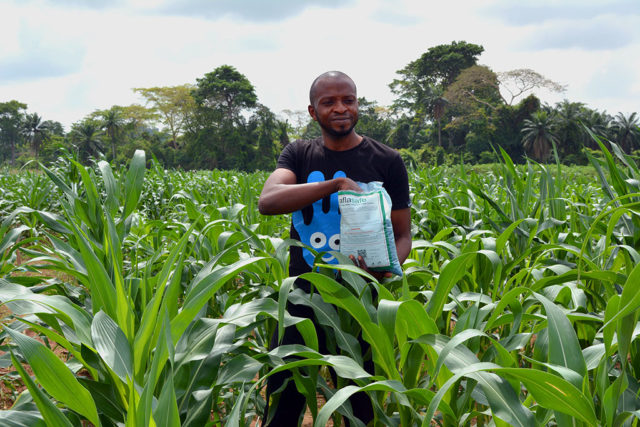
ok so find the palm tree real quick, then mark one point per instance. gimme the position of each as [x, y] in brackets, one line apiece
[627, 131]
[36, 131]
[600, 123]
[112, 123]
[568, 130]
[538, 135]
[86, 137]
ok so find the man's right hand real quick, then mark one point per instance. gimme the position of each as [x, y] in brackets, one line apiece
[282, 194]
[347, 184]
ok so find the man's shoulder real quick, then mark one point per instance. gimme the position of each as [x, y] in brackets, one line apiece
[381, 148]
[304, 144]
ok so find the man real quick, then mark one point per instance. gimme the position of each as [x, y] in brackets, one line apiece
[306, 181]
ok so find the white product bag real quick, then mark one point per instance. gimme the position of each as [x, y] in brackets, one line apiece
[366, 229]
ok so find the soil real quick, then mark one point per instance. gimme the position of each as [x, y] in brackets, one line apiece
[307, 421]
[11, 384]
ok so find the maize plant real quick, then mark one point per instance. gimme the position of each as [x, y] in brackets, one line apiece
[141, 296]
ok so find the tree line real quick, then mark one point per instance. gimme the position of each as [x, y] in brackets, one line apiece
[446, 107]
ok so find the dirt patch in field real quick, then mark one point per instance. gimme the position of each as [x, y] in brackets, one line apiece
[307, 421]
[11, 385]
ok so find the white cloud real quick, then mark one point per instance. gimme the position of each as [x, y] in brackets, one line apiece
[92, 56]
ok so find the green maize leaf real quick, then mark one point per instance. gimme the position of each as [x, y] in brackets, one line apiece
[467, 334]
[612, 397]
[336, 294]
[622, 417]
[133, 183]
[104, 395]
[205, 370]
[502, 240]
[93, 210]
[306, 385]
[59, 339]
[50, 413]
[123, 309]
[55, 222]
[241, 368]
[307, 330]
[508, 299]
[450, 274]
[11, 237]
[55, 377]
[22, 301]
[572, 275]
[466, 370]
[459, 357]
[245, 314]
[344, 393]
[205, 289]
[387, 311]
[568, 374]
[197, 341]
[593, 354]
[625, 331]
[149, 325]
[489, 200]
[503, 400]
[423, 397]
[327, 316]
[413, 321]
[63, 249]
[112, 202]
[609, 328]
[12, 418]
[553, 392]
[344, 366]
[283, 295]
[200, 411]
[234, 416]
[112, 345]
[62, 185]
[161, 355]
[166, 413]
[351, 268]
[630, 298]
[564, 348]
[102, 289]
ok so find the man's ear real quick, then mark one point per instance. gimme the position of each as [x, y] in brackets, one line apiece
[312, 112]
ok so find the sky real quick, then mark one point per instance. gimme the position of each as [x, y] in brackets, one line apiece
[68, 58]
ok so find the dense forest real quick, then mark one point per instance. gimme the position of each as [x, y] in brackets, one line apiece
[447, 107]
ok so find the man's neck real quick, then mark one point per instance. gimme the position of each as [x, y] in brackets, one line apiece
[342, 143]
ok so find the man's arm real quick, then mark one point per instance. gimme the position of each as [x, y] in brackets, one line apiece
[281, 194]
[401, 221]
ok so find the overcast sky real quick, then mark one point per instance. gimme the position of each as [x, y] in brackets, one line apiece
[67, 58]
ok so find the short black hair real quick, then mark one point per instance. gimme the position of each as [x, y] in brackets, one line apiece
[327, 75]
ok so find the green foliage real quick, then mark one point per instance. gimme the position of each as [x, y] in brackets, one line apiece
[442, 99]
[11, 116]
[518, 306]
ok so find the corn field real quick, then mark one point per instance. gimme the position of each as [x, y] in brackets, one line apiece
[144, 297]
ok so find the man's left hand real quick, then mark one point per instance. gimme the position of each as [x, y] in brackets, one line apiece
[379, 275]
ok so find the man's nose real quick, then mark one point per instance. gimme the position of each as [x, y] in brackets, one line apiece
[340, 107]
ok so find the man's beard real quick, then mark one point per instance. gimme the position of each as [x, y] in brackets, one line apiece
[336, 132]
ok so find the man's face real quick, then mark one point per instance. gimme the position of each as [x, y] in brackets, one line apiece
[336, 106]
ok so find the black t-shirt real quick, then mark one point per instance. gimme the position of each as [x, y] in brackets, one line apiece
[318, 225]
